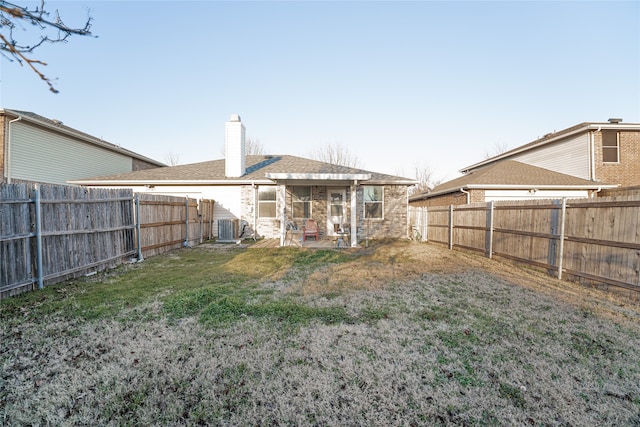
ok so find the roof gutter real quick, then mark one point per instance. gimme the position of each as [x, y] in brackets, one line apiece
[462, 190]
[509, 187]
[539, 187]
[142, 182]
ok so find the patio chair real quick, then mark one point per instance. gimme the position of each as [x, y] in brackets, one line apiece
[310, 229]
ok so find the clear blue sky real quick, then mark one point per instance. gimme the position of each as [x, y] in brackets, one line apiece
[401, 84]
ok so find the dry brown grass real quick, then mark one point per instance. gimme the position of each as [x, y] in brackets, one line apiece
[438, 337]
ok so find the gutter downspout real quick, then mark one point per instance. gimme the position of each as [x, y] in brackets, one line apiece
[462, 190]
[593, 154]
[8, 149]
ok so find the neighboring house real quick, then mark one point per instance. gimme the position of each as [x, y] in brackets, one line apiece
[507, 180]
[270, 193]
[574, 162]
[34, 148]
[607, 153]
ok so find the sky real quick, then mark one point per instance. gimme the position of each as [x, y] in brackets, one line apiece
[403, 86]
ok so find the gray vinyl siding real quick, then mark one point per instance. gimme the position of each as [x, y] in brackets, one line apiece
[569, 156]
[42, 156]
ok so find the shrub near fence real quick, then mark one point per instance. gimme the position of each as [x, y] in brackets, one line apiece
[590, 240]
[49, 233]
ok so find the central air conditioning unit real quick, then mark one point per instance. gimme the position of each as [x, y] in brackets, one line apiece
[227, 230]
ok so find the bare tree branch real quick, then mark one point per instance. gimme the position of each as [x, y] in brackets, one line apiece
[172, 158]
[54, 30]
[498, 148]
[253, 146]
[336, 154]
[426, 180]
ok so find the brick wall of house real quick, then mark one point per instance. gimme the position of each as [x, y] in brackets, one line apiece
[394, 224]
[627, 172]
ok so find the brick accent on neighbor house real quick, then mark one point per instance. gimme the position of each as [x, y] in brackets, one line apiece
[626, 173]
[457, 198]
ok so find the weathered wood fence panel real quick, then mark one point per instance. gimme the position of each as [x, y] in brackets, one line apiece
[15, 233]
[590, 240]
[49, 233]
[602, 240]
[169, 222]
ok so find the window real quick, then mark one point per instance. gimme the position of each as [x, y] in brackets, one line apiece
[373, 198]
[266, 202]
[301, 202]
[610, 148]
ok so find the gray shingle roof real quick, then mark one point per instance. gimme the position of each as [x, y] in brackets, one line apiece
[510, 173]
[257, 166]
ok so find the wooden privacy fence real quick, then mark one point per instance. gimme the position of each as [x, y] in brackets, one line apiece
[50, 233]
[590, 240]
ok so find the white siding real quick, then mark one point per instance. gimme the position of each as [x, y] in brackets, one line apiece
[497, 195]
[570, 156]
[39, 155]
[227, 199]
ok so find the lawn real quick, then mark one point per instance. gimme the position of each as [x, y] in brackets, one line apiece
[399, 333]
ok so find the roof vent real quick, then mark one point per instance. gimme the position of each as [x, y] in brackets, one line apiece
[614, 120]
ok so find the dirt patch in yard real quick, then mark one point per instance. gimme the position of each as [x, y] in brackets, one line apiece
[385, 264]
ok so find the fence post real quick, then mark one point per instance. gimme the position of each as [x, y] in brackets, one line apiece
[137, 223]
[561, 245]
[186, 232]
[490, 230]
[38, 213]
[450, 226]
[425, 224]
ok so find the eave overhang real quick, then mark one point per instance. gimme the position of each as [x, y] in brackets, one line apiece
[174, 182]
[593, 187]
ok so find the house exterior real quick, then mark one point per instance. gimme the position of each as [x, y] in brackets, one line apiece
[507, 180]
[38, 149]
[271, 194]
[608, 153]
[576, 162]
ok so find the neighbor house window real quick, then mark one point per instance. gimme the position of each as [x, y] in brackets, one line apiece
[610, 147]
[373, 199]
[267, 202]
[301, 202]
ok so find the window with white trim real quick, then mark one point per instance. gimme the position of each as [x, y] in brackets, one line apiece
[267, 202]
[301, 202]
[610, 147]
[373, 201]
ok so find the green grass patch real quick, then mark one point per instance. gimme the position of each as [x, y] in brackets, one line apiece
[185, 280]
[512, 393]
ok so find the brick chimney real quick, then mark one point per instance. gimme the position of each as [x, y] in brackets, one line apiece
[234, 147]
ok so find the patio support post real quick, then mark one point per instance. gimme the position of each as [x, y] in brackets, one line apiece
[281, 201]
[354, 214]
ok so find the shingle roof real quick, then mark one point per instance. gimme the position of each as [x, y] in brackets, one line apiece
[510, 174]
[257, 166]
